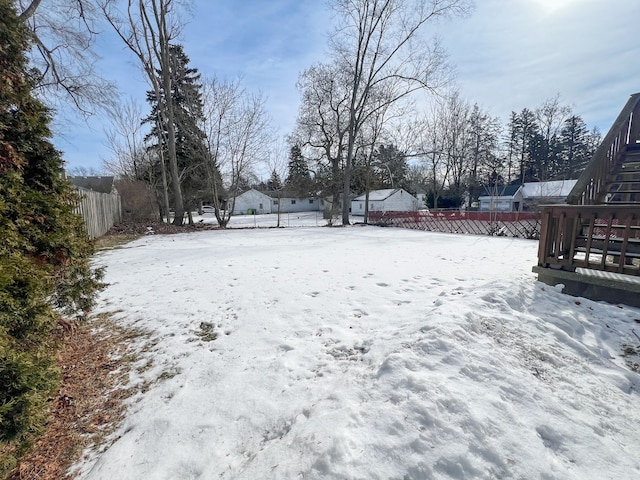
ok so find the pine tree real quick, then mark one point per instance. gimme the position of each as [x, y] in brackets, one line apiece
[525, 131]
[299, 179]
[574, 147]
[391, 166]
[44, 253]
[186, 97]
[274, 182]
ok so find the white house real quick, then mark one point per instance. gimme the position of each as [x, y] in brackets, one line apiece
[387, 200]
[290, 203]
[507, 198]
[514, 198]
[253, 201]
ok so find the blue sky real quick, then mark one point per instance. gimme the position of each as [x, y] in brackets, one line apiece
[509, 54]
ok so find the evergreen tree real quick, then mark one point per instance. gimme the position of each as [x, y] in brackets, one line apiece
[299, 179]
[574, 148]
[186, 97]
[524, 129]
[44, 253]
[274, 183]
[391, 167]
[512, 145]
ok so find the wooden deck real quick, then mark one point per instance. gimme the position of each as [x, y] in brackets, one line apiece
[592, 246]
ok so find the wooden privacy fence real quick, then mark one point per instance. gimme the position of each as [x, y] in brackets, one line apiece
[100, 211]
[597, 237]
[507, 224]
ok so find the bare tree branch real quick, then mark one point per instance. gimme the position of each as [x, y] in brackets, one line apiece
[63, 34]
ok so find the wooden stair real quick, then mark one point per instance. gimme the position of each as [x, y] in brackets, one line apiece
[592, 244]
[623, 183]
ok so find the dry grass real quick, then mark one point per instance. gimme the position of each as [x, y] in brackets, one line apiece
[89, 405]
[109, 242]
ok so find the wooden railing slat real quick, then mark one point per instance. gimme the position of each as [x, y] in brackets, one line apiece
[604, 230]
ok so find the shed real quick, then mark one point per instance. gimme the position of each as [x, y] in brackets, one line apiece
[387, 200]
[506, 198]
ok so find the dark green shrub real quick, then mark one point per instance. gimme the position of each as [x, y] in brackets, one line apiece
[44, 252]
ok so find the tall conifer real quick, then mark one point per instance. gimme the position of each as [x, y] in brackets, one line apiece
[44, 250]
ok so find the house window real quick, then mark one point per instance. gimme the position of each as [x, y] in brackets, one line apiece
[360, 206]
[261, 207]
[275, 202]
[311, 201]
[293, 202]
[371, 206]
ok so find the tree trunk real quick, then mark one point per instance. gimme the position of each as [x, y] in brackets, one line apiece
[178, 218]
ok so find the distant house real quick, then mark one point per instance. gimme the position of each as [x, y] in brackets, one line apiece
[515, 198]
[251, 202]
[536, 194]
[255, 202]
[387, 200]
[506, 198]
[289, 202]
[96, 184]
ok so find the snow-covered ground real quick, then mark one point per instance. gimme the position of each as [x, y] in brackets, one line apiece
[366, 353]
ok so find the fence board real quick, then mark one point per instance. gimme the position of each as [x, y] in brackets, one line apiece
[100, 211]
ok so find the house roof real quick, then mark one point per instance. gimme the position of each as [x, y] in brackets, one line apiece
[377, 195]
[501, 191]
[253, 190]
[97, 184]
[556, 188]
[285, 194]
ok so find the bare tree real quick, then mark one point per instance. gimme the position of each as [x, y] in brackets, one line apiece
[131, 156]
[148, 28]
[238, 132]
[454, 119]
[125, 139]
[63, 33]
[322, 126]
[378, 41]
[372, 134]
[484, 162]
[278, 167]
[430, 146]
[550, 117]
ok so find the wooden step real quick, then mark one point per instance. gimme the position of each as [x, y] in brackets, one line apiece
[628, 167]
[623, 197]
[612, 192]
[625, 177]
[632, 147]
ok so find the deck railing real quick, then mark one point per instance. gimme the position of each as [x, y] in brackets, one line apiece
[600, 237]
[591, 186]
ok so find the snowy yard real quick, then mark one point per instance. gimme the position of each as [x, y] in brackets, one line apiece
[366, 353]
